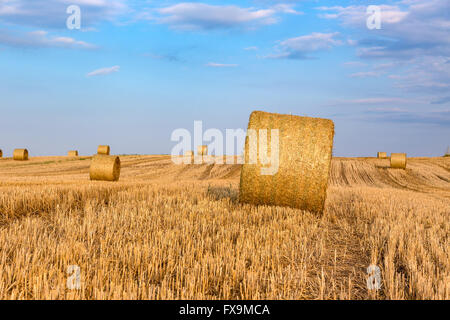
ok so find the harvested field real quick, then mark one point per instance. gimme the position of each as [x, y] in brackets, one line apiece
[166, 231]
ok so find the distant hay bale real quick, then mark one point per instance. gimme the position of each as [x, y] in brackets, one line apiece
[202, 150]
[104, 167]
[398, 160]
[103, 150]
[189, 157]
[73, 153]
[304, 161]
[382, 155]
[1, 153]
[20, 154]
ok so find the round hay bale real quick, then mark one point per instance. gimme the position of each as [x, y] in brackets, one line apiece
[398, 160]
[103, 150]
[20, 154]
[304, 161]
[382, 155]
[72, 153]
[1, 153]
[189, 157]
[106, 168]
[202, 150]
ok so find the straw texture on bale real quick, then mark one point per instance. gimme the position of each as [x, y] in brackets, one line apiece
[202, 150]
[305, 152]
[103, 150]
[382, 155]
[72, 153]
[398, 160]
[20, 154]
[106, 168]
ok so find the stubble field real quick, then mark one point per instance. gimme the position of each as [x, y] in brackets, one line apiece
[167, 231]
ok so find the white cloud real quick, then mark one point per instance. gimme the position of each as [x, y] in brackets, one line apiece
[52, 13]
[220, 65]
[413, 42]
[202, 16]
[355, 64]
[382, 100]
[40, 39]
[299, 47]
[357, 16]
[103, 71]
[365, 74]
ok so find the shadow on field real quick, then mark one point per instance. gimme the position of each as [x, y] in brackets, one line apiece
[219, 193]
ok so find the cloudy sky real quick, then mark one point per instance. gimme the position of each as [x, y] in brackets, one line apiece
[137, 70]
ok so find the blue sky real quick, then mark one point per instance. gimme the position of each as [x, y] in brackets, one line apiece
[137, 70]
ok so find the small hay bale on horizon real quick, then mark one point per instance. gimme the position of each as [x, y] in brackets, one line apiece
[382, 155]
[72, 153]
[202, 150]
[20, 154]
[105, 150]
[304, 160]
[105, 168]
[1, 153]
[189, 157]
[398, 160]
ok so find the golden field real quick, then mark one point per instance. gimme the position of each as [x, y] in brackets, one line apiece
[167, 231]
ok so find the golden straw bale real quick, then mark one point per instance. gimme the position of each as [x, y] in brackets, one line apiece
[105, 168]
[202, 150]
[189, 157]
[398, 160]
[20, 154]
[103, 150]
[304, 161]
[72, 153]
[382, 155]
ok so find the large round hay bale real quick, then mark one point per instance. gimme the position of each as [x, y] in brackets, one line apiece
[72, 153]
[382, 155]
[106, 168]
[398, 160]
[202, 150]
[304, 161]
[20, 154]
[103, 150]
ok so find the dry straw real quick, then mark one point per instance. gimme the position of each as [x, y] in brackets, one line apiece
[103, 150]
[398, 160]
[189, 157]
[382, 155]
[20, 154]
[202, 150]
[72, 153]
[106, 168]
[305, 151]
